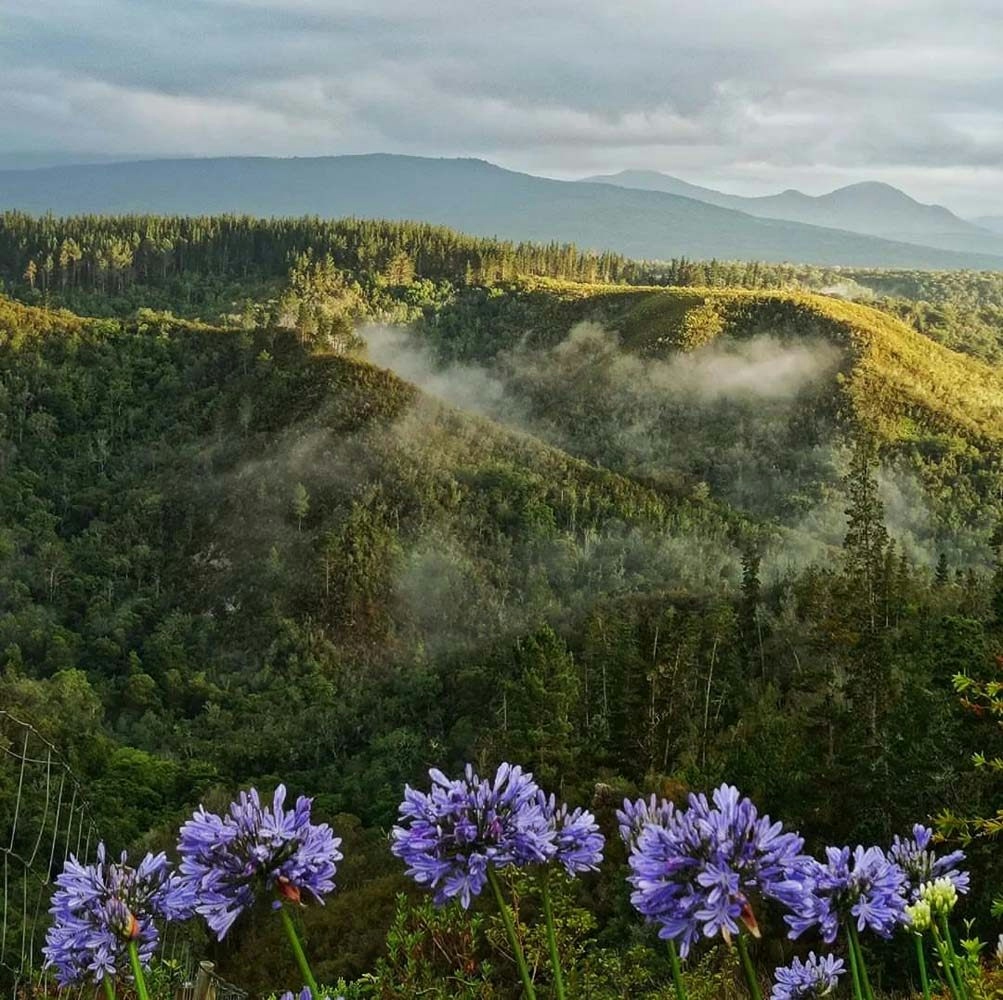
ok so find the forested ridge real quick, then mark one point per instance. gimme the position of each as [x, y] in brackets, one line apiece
[635, 537]
[213, 266]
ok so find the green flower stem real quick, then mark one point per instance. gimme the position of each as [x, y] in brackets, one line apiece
[555, 957]
[959, 973]
[865, 980]
[947, 965]
[677, 971]
[137, 972]
[750, 972]
[294, 941]
[921, 962]
[109, 987]
[520, 958]
[858, 993]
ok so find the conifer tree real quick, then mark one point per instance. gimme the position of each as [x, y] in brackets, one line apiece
[751, 617]
[866, 535]
[300, 504]
[996, 598]
[942, 575]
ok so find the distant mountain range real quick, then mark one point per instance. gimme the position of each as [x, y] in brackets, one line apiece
[21, 160]
[871, 208]
[991, 222]
[471, 195]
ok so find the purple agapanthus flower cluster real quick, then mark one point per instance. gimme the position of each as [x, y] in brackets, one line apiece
[578, 844]
[636, 815]
[816, 977]
[99, 909]
[700, 873]
[864, 885]
[449, 835]
[921, 865]
[227, 861]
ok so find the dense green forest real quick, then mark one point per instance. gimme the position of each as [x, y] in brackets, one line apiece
[329, 503]
[220, 268]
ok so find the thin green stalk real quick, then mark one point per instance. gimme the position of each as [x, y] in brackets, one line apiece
[750, 972]
[137, 972]
[555, 957]
[297, 947]
[947, 965]
[109, 988]
[677, 971]
[921, 961]
[858, 992]
[520, 958]
[865, 981]
[959, 972]
[950, 976]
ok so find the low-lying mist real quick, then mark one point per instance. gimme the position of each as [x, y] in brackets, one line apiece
[759, 368]
[741, 416]
[453, 570]
[463, 523]
[754, 420]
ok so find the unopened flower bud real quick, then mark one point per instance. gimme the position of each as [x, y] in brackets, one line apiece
[941, 895]
[918, 916]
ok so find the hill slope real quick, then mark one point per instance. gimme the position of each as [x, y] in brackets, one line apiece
[901, 384]
[913, 378]
[471, 195]
[182, 445]
[870, 208]
[991, 222]
[755, 395]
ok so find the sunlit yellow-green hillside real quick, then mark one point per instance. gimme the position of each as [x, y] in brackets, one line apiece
[899, 384]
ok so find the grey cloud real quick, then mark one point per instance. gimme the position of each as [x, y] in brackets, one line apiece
[758, 95]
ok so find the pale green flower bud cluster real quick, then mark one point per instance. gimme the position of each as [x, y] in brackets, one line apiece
[940, 896]
[919, 916]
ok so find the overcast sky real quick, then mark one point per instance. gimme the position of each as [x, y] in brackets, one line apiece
[748, 95]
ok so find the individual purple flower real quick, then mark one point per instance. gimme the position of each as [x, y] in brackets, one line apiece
[921, 865]
[700, 874]
[865, 886]
[99, 909]
[228, 861]
[578, 843]
[636, 815]
[449, 835]
[305, 994]
[816, 977]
